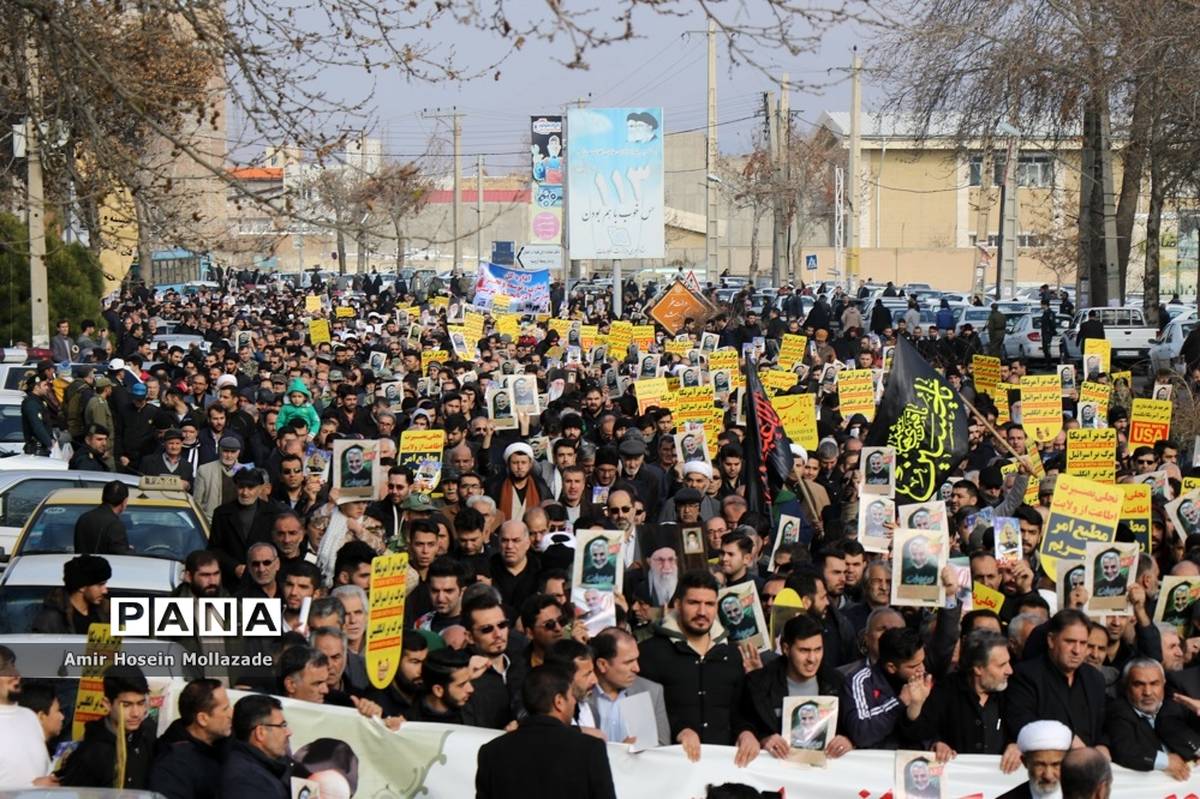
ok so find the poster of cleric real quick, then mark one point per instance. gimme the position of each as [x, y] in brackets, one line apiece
[528, 290]
[615, 183]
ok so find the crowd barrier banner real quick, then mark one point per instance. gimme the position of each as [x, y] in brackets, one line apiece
[437, 761]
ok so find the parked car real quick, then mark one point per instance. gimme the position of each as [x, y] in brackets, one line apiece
[22, 489]
[1023, 337]
[1124, 327]
[12, 439]
[1165, 351]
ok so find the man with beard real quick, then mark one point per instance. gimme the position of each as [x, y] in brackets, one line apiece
[646, 477]
[964, 712]
[701, 673]
[1108, 580]
[445, 578]
[1147, 732]
[738, 621]
[446, 689]
[917, 568]
[877, 472]
[261, 578]
[518, 488]
[1043, 745]
[879, 698]
[23, 758]
[355, 472]
[661, 579]
[1059, 685]
[295, 491]
[919, 783]
[600, 566]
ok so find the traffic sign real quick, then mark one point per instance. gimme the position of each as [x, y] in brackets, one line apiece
[540, 256]
[502, 253]
[810, 263]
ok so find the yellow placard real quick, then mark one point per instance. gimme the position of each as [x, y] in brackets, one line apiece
[1190, 484]
[562, 327]
[1000, 397]
[680, 348]
[620, 336]
[986, 369]
[312, 303]
[508, 324]
[1099, 393]
[1041, 406]
[1092, 454]
[984, 598]
[588, 336]
[856, 392]
[650, 391]
[726, 358]
[385, 625]
[344, 312]
[1149, 422]
[421, 451]
[791, 350]
[1117, 377]
[440, 302]
[430, 356]
[473, 325]
[798, 413]
[1135, 512]
[318, 331]
[776, 380]
[1097, 358]
[1081, 511]
[643, 335]
[89, 701]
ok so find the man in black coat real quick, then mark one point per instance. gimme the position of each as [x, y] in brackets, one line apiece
[801, 664]
[1145, 731]
[90, 456]
[965, 711]
[94, 763]
[701, 673]
[186, 766]
[100, 531]
[515, 765]
[258, 764]
[238, 524]
[1092, 328]
[1059, 685]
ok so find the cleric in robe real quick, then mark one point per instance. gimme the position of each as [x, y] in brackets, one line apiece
[917, 568]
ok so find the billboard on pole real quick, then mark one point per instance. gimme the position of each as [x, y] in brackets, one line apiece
[547, 159]
[616, 183]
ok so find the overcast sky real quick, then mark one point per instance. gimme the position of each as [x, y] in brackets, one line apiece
[664, 67]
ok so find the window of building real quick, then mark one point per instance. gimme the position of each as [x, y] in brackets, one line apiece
[1032, 170]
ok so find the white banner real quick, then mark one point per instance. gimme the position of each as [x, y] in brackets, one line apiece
[438, 761]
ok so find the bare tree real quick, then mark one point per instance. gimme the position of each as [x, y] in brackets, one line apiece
[399, 192]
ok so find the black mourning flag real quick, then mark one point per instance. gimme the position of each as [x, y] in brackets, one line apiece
[767, 452]
[924, 419]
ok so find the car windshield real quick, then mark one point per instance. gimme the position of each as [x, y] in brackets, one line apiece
[10, 424]
[153, 532]
[19, 605]
[976, 314]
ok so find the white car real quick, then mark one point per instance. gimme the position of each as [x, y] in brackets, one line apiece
[12, 438]
[1023, 339]
[1166, 349]
[29, 578]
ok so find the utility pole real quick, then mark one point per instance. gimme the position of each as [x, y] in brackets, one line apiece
[478, 209]
[456, 222]
[572, 265]
[774, 149]
[1116, 294]
[39, 287]
[1006, 256]
[711, 267]
[854, 189]
[983, 218]
[783, 226]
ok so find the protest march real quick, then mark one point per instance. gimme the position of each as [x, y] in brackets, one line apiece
[505, 540]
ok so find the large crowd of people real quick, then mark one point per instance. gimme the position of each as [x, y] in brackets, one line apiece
[497, 635]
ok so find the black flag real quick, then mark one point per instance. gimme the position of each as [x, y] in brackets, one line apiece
[767, 452]
[924, 419]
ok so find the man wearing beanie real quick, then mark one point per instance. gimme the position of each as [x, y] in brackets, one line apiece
[82, 601]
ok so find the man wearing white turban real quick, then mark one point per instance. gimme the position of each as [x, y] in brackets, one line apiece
[1043, 745]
